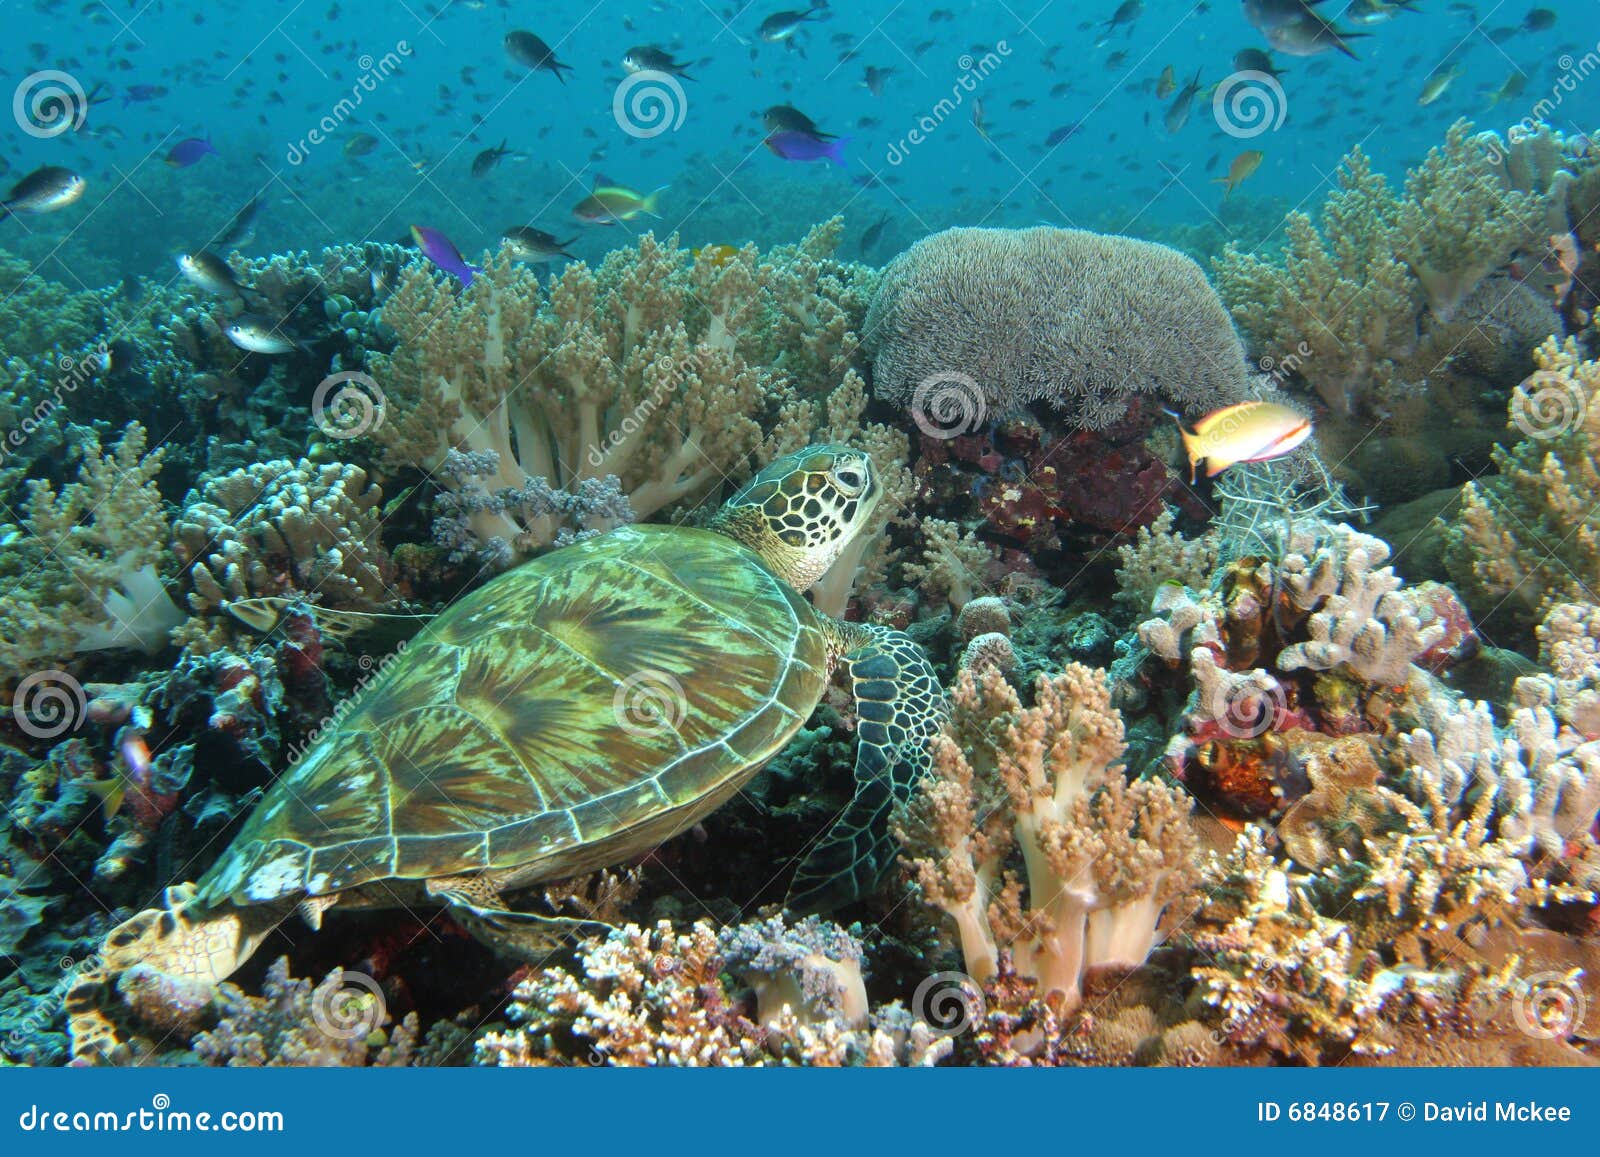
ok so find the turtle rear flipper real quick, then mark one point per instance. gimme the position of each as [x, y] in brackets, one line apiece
[190, 947]
[900, 708]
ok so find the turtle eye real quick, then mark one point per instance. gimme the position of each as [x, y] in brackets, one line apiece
[851, 479]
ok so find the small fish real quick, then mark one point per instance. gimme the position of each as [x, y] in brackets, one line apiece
[190, 151]
[1177, 114]
[783, 118]
[792, 146]
[1312, 37]
[44, 190]
[1438, 84]
[874, 234]
[242, 229]
[610, 204]
[212, 274]
[359, 145]
[1369, 12]
[485, 161]
[874, 79]
[1239, 171]
[1511, 89]
[978, 121]
[649, 58]
[1166, 83]
[1243, 432]
[1255, 60]
[259, 334]
[1126, 14]
[440, 250]
[780, 27]
[139, 93]
[715, 255]
[1064, 133]
[535, 245]
[1538, 19]
[529, 51]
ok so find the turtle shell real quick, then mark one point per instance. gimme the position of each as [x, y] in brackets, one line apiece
[568, 715]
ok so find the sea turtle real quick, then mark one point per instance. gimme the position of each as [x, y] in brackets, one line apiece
[505, 747]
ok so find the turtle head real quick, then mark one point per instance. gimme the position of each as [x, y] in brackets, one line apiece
[800, 512]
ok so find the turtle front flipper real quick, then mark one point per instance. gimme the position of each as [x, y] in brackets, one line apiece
[900, 708]
[185, 949]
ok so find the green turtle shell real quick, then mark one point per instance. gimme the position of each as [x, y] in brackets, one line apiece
[509, 736]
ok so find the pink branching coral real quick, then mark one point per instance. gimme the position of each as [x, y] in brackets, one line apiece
[1102, 858]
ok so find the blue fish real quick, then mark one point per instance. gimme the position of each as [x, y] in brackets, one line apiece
[440, 250]
[189, 151]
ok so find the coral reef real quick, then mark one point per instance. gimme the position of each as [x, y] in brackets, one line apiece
[662, 372]
[1527, 537]
[971, 322]
[1103, 858]
[291, 529]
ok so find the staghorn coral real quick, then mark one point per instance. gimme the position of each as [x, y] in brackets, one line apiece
[287, 529]
[1569, 644]
[661, 371]
[81, 567]
[656, 997]
[1102, 857]
[1080, 320]
[1159, 555]
[1530, 537]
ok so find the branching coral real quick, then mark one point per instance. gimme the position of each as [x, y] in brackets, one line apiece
[656, 997]
[1159, 555]
[655, 369]
[1081, 320]
[1102, 857]
[286, 528]
[1342, 306]
[1531, 536]
[80, 570]
[954, 563]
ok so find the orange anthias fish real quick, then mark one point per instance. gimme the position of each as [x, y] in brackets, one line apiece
[1243, 432]
[1243, 165]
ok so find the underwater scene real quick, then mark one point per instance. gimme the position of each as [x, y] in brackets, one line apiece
[849, 534]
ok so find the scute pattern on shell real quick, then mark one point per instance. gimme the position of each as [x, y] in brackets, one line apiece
[496, 741]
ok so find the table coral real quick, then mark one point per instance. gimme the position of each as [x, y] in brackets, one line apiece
[657, 370]
[1102, 857]
[975, 323]
[289, 529]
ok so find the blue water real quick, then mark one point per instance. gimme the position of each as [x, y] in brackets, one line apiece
[433, 85]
